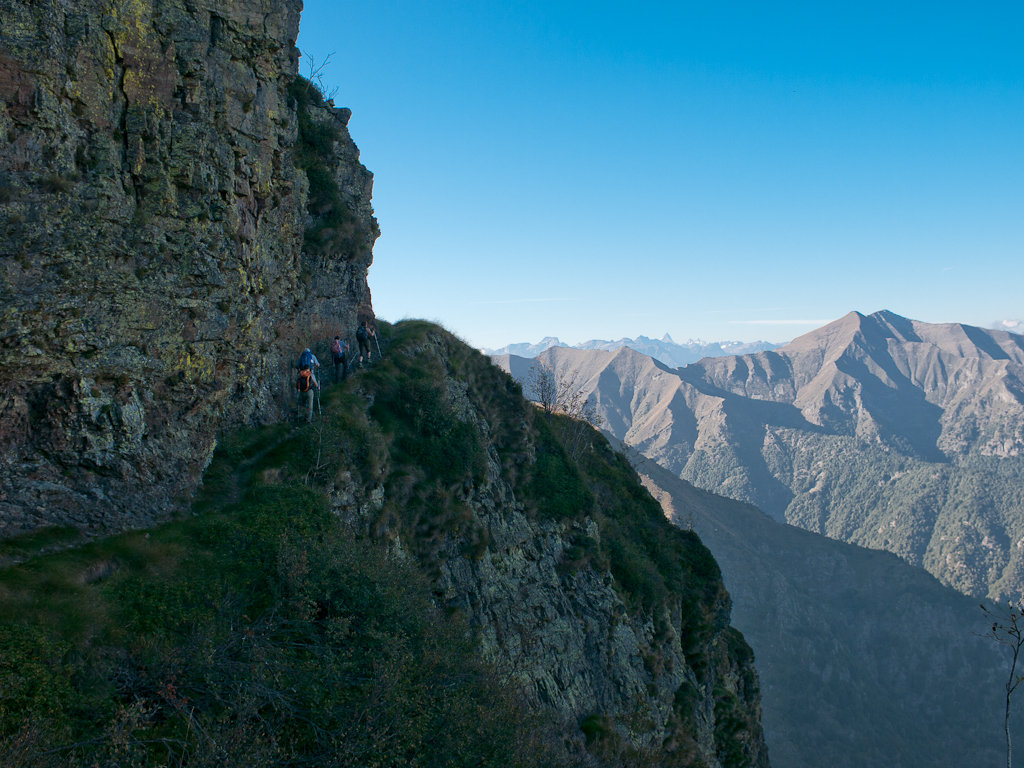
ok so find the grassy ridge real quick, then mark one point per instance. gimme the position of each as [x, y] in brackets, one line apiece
[265, 630]
[259, 633]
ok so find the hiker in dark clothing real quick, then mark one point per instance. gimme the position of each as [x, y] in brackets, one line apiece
[339, 349]
[363, 336]
[306, 388]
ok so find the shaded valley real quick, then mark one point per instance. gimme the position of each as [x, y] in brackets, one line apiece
[864, 660]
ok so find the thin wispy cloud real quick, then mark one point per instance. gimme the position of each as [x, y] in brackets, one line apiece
[523, 301]
[745, 309]
[779, 322]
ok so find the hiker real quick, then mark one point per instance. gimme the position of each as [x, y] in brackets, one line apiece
[363, 336]
[339, 349]
[306, 388]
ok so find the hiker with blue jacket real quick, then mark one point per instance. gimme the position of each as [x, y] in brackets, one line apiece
[307, 384]
[308, 359]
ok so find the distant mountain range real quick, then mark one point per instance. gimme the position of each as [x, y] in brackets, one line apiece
[875, 429]
[664, 349]
[878, 430]
[864, 659]
[1013, 326]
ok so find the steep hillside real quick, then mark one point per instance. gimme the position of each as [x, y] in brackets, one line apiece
[179, 216]
[864, 660]
[424, 576]
[877, 430]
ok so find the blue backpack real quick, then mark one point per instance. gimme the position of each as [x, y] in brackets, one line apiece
[306, 359]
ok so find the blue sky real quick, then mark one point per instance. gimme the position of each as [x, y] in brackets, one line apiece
[714, 170]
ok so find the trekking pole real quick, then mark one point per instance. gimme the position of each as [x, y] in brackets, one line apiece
[379, 355]
[319, 442]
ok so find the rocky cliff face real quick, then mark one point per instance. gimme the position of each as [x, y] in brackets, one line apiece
[164, 255]
[577, 651]
[572, 606]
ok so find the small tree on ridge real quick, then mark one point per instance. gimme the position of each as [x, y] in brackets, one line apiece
[561, 393]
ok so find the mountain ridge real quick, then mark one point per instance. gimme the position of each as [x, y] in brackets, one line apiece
[804, 601]
[875, 429]
[423, 575]
[664, 349]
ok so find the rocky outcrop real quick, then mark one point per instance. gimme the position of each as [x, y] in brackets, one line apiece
[575, 649]
[157, 272]
[614, 679]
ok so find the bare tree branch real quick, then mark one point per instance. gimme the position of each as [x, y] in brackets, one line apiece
[562, 393]
[1008, 629]
[316, 76]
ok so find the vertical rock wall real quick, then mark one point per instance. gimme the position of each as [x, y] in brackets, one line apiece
[154, 284]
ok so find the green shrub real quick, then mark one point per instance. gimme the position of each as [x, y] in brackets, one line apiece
[334, 226]
[595, 727]
[35, 679]
[39, 540]
[55, 183]
[730, 726]
[556, 490]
